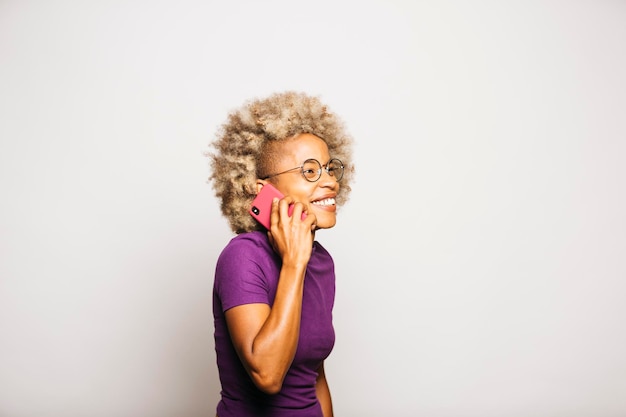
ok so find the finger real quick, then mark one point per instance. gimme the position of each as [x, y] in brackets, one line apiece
[274, 213]
[296, 211]
[283, 206]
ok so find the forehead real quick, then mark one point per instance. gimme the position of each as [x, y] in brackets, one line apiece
[303, 147]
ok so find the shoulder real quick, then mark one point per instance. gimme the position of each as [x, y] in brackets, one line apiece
[246, 244]
[245, 254]
[246, 271]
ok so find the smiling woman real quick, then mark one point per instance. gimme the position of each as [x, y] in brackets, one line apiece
[274, 290]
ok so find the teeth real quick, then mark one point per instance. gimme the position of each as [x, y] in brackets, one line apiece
[325, 202]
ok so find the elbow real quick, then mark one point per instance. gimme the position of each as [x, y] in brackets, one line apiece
[271, 389]
[268, 384]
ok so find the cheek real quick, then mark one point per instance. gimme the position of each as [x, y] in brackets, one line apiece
[301, 192]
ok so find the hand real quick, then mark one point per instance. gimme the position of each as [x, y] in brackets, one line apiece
[291, 236]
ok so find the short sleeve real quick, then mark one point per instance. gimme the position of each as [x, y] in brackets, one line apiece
[241, 275]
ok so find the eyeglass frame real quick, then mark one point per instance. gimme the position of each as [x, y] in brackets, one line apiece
[324, 167]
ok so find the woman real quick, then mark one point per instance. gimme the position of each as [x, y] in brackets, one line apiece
[274, 289]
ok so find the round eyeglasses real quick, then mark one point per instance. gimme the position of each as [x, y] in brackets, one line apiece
[311, 170]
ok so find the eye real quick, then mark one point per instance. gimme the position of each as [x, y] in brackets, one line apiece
[310, 174]
[311, 169]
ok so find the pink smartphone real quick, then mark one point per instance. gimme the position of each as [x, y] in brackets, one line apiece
[261, 208]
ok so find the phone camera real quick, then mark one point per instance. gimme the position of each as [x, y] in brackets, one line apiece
[255, 210]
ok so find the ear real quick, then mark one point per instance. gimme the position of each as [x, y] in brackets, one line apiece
[259, 184]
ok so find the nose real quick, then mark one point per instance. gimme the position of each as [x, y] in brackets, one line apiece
[327, 180]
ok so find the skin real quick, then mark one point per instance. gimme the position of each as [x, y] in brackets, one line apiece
[266, 338]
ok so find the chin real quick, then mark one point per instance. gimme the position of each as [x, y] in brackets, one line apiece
[326, 223]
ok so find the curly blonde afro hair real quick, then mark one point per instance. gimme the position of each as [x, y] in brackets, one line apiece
[243, 149]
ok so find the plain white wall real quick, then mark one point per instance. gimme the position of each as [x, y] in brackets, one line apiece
[481, 260]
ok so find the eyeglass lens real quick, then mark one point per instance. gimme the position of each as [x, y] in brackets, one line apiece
[312, 169]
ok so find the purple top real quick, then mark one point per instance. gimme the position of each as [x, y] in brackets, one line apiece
[247, 272]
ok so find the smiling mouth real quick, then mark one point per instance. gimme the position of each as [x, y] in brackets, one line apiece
[324, 202]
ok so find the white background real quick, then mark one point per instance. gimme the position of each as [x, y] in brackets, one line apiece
[481, 259]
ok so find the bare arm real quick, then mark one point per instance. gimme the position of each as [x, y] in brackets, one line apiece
[266, 339]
